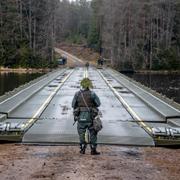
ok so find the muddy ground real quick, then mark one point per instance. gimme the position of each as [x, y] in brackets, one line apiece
[23, 162]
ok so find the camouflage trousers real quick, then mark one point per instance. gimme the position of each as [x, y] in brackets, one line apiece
[81, 127]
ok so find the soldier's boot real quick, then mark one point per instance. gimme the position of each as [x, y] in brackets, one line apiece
[83, 148]
[94, 152]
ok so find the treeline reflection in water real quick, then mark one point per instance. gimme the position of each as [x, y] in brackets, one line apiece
[167, 84]
[11, 80]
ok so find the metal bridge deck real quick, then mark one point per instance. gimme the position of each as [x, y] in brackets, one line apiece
[57, 120]
[46, 116]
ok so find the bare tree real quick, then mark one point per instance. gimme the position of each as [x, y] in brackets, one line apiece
[138, 34]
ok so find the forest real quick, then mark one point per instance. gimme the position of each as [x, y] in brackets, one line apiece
[130, 34]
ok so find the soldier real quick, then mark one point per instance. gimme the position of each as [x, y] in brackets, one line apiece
[100, 61]
[87, 65]
[85, 103]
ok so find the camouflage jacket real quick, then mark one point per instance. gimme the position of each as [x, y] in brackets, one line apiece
[85, 103]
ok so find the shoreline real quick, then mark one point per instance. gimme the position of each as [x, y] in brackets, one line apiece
[45, 70]
[24, 70]
[176, 72]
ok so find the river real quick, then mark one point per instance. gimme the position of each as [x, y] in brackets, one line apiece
[166, 84]
[10, 81]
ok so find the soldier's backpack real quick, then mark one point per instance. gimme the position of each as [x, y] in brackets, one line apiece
[97, 123]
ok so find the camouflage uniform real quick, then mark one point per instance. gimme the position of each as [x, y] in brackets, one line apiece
[86, 115]
[87, 65]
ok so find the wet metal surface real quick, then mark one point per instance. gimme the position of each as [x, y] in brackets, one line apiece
[57, 120]
[56, 125]
[150, 100]
[127, 119]
[10, 104]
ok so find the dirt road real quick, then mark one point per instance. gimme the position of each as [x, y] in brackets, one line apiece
[64, 162]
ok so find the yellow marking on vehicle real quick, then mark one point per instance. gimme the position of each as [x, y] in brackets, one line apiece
[44, 105]
[129, 109]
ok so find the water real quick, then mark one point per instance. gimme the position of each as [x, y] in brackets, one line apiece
[167, 84]
[10, 81]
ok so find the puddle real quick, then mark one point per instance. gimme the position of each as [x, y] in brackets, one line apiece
[125, 151]
[133, 153]
[64, 110]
